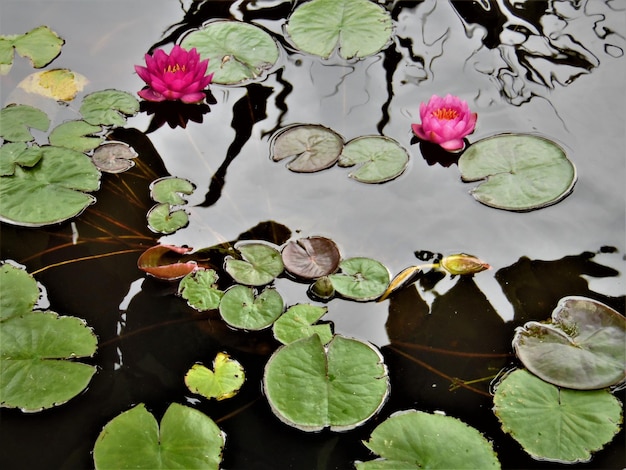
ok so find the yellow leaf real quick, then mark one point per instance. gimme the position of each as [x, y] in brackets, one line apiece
[58, 84]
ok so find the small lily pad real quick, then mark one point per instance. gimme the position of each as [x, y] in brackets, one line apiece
[108, 107]
[361, 279]
[299, 322]
[358, 28]
[163, 262]
[242, 308]
[41, 45]
[186, 438]
[581, 347]
[519, 172]
[17, 119]
[414, 439]
[57, 84]
[556, 424]
[311, 147]
[312, 257]
[199, 289]
[19, 291]
[76, 135]
[14, 154]
[168, 190]
[260, 265]
[381, 159]
[162, 219]
[114, 157]
[224, 381]
[238, 52]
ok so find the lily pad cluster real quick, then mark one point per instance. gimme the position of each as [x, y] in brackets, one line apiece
[165, 217]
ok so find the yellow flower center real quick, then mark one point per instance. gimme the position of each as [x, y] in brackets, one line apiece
[446, 113]
[175, 68]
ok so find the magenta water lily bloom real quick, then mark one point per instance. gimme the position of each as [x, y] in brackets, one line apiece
[181, 76]
[445, 121]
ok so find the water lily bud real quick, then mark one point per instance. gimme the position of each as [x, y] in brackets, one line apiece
[323, 288]
[463, 264]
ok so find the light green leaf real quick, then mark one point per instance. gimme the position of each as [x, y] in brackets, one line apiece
[224, 381]
[298, 322]
[162, 219]
[17, 119]
[13, 154]
[75, 135]
[169, 189]
[108, 107]
[310, 147]
[361, 279]
[18, 292]
[381, 159]
[41, 45]
[198, 288]
[242, 308]
[260, 265]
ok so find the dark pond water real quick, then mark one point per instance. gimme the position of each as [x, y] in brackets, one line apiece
[555, 69]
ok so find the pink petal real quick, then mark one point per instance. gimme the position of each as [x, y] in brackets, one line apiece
[192, 97]
[149, 94]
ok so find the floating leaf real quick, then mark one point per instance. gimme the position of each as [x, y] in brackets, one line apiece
[17, 119]
[199, 289]
[382, 159]
[520, 172]
[406, 277]
[19, 291]
[186, 439]
[414, 439]
[163, 262]
[224, 381]
[322, 289]
[312, 257]
[361, 279]
[242, 308]
[581, 347]
[556, 424]
[13, 154]
[298, 322]
[162, 219]
[169, 189]
[261, 264]
[108, 107]
[311, 147]
[358, 28]
[237, 52]
[76, 135]
[41, 45]
[58, 84]
[114, 157]
[311, 387]
[462, 264]
[51, 191]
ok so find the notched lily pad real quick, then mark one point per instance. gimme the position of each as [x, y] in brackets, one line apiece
[57, 84]
[300, 321]
[162, 219]
[13, 154]
[76, 135]
[163, 262]
[223, 382]
[380, 158]
[519, 172]
[361, 279]
[169, 189]
[311, 257]
[581, 347]
[260, 264]
[200, 290]
[17, 119]
[109, 107]
[241, 307]
[311, 147]
[114, 157]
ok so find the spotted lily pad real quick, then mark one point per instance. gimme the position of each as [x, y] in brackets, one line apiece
[361, 279]
[311, 147]
[109, 107]
[76, 135]
[358, 28]
[199, 289]
[186, 438]
[114, 157]
[41, 45]
[241, 307]
[519, 172]
[380, 158]
[238, 52]
[169, 189]
[260, 264]
[581, 347]
[299, 322]
[311, 257]
[17, 119]
[57, 84]
[553, 423]
[224, 381]
[311, 386]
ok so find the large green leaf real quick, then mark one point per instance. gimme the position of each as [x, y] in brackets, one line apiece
[553, 423]
[311, 147]
[186, 439]
[76, 135]
[520, 172]
[581, 347]
[298, 322]
[340, 386]
[237, 52]
[17, 119]
[41, 45]
[224, 381]
[361, 279]
[242, 308]
[414, 439]
[260, 265]
[51, 191]
[109, 107]
[358, 28]
[199, 289]
[380, 158]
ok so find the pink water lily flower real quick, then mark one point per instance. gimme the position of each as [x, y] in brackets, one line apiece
[445, 121]
[181, 75]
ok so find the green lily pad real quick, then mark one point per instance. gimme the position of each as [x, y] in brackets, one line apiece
[520, 172]
[311, 147]
[19, 291]
[163, 262]
[169, 189]
[242, 308]
[199, 289]
[75, 135]
[41, 45]
[298, 322]
[109, 107]
[186, 438]
[358, 28]
[17, 119]
[361, 279]
[311, 257]
[50, 192]
[238, 52]
[260, 265]
[162, 219]
[414, 439]
[114, 157]
[381, 159]
[311, 386]
[556, 424]
[224, 381]
[581, 347]
[13, 154]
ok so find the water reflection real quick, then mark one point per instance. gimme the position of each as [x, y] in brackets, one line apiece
[176, 113]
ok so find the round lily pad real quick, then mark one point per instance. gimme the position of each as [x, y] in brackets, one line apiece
[519, 172]
[581, 347]
[312, 257]
[114, 157]
[17, 119]
[299, 322]
[76, 135]
[242, 308]
[238, 52]
[19, 291]
[223, 382]
[311, 147]
[358, 28]
[169, 189]
[414, 439]
[380, 158]
[556, 424]
[361, 279]
[199, 289]
[260, 265]
[108, 107]
[311, 386]
[162, 219]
